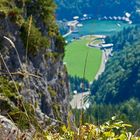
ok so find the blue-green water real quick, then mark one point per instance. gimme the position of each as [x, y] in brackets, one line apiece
[98, 27]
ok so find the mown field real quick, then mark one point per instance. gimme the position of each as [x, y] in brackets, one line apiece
[75, 56]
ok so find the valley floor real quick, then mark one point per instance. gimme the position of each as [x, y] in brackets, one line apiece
[78, 99]
[75, 56]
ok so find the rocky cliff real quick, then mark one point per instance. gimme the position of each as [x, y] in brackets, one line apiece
[33, 80]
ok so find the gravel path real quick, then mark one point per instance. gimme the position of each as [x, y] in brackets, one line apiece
[105, 57]
[78, 101]
[102, 66]
[67, 34]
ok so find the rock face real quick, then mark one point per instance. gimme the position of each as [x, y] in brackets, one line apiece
[41, 77]
[8, 129]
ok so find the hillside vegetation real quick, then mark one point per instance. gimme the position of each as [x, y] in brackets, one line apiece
[97, 8]
[33, 80]
[120, 81]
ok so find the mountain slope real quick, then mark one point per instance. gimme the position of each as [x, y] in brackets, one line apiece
[97, 8]
[121, 79]
[32, 73]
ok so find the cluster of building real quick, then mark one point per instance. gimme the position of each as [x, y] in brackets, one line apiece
[125, 18]
[84, 17]
[75, 22]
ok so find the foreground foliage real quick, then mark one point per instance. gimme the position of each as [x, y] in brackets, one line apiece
[15, 108]
[111, 130]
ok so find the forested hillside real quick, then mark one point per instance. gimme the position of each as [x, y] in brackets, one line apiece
[124, 38]
[69, 8]
[120, 81]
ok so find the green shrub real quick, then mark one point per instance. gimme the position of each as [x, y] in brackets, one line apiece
[52, 91]
[60, 43]
[111, 130]
[33, 39]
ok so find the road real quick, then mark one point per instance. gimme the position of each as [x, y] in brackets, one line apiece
[78, 101]
[67, 34]
[102, 66]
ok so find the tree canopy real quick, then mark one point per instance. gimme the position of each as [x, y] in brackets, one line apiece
[69, 8]
[121, 78]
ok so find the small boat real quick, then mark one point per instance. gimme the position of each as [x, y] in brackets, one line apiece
[79, 25]
[119, 25]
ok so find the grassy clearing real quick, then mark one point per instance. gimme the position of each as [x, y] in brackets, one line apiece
[75, 58]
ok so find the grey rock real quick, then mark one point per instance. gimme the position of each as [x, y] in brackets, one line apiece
[38, 74]
[8, 130]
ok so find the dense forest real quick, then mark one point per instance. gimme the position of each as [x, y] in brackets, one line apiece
[78, 84]
[120, 81]
[127, 111]
[97, 8]
[124, 38]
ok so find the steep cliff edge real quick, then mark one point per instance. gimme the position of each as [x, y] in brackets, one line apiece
[33, 79]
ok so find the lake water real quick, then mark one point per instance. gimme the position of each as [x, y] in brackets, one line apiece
[99, 27]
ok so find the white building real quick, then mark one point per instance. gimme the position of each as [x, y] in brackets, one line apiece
[76, 17]
[128, 15]
[85, 15]
[106, 46]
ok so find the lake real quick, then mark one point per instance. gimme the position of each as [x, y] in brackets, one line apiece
[99, 27]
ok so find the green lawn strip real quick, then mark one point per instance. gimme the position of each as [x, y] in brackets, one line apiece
[75, 56]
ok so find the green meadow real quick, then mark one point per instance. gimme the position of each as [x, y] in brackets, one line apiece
[75, 56]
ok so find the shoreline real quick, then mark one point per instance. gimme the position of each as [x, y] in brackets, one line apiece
[120, 19]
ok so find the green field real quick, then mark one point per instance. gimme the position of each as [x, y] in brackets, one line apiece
[75, 56]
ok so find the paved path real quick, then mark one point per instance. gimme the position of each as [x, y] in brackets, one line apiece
[102, 66]
[67, 34]
[105, 57]
[78, 101]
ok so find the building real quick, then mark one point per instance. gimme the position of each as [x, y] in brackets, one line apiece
[106, 46]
